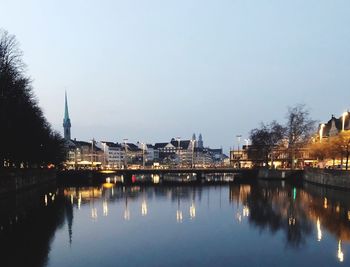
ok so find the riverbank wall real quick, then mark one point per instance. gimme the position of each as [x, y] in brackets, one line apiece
[13, 180]
[328, 177]
[275, 174]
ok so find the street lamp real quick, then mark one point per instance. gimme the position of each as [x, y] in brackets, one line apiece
[193, 142]
[92, 153]
[238, 152]
[321, 131]
[344, 116]
[178, 147]
[104, 155]
[143, 154]
[126, 153]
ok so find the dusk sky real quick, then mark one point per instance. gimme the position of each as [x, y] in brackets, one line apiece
[152, 70]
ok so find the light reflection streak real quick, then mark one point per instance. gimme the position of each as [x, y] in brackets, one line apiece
[105, 208]
[340, 252]
[245, 211]
[192, 211]
[144, 208]
[239, 217]
[79, 201]
[179, 216]
[126, 215]
[94, 213]
[319, 231]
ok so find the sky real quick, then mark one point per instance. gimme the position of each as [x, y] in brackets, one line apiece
[152, 70]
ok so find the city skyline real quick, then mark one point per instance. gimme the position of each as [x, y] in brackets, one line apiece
[152, 71]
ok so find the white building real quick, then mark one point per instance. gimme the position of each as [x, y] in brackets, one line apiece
[114, 154]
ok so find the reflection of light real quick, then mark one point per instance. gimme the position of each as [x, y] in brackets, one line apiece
[144, 208]
[105, 208]
[192, 211]
[112, 191]
[45, 200]
[245, 211]
[349, 215]
[107, 185]
[179, 216]
[291, 221]
[115, 180]
[108, 180]
[79, 200]
[94, 213]
[325, 203]
[337, 208]
[319, 231]
[294, 193]
[71, 198]
[156, 179]
[53, 197]
[340, 252]
[239, 217]
[126, 215]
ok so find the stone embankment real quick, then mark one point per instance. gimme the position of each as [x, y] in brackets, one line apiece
[328, 177]
[276, 174]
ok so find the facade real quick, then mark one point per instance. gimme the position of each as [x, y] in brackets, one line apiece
[250, 156]
[114, 154]
[334, 126]
[83, 155]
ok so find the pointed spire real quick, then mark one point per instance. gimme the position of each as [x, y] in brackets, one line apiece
[200, 141]
[194, 137]
[66, 113]
[66, 119]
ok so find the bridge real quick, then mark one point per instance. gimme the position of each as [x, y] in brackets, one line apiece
[128, 173]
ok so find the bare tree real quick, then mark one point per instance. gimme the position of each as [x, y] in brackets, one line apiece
[299, 129]
[265, 139]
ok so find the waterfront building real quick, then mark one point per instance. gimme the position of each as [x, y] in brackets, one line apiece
[188, 152]
[83, 155]
[133, 154]
[150, 153]
[334, 126]
[250, 156]
[114, 154]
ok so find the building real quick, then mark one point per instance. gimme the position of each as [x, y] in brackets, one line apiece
[83, 155]
[253, 156]
[114, 154]
[334, 126]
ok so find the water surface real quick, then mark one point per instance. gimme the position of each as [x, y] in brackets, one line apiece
[265, 224]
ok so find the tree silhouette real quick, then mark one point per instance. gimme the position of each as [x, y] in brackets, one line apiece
[26, 138]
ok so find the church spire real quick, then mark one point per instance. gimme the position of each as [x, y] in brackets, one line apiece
[66, 119]
[66, 114]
